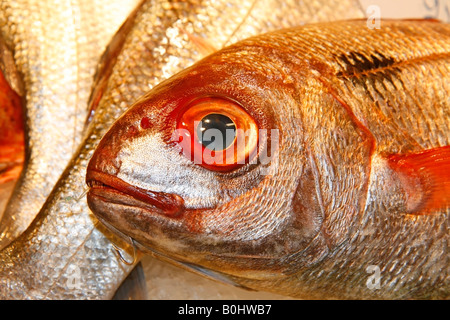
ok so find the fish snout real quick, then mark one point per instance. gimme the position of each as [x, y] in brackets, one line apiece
[107, 191]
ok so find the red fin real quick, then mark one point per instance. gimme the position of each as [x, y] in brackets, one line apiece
[425, 177]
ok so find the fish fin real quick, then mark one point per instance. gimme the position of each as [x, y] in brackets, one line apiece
[134, 287]
[107, 63]
[213, 275]
[204, 46]
[205, 272]
[425, 177]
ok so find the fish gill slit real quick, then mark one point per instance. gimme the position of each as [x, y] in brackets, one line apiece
[371, 140]
[316, 175]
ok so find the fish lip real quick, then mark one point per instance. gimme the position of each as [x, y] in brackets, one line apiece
[168, 204]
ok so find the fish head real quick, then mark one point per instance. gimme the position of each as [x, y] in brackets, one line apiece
[233, 207]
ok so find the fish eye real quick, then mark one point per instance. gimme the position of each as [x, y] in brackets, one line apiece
[217, 134]
[225, 126]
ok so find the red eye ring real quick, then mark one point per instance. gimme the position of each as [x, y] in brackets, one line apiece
[217, 114]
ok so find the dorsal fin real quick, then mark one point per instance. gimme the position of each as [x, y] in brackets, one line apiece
[425, 177]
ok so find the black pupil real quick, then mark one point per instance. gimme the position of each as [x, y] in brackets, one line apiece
[216, 131]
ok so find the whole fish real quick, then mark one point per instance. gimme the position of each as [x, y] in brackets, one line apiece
[65, 253]
[325, 173]
[56, 47]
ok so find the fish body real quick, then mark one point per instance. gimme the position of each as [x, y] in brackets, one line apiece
[353, 200]
[55, 47]
[65, 253]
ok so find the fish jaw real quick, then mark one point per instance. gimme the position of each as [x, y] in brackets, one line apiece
[117, 191]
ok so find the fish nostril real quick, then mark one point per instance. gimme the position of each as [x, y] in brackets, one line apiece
[145, 123]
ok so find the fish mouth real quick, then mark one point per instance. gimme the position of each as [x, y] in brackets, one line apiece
[116, 191]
